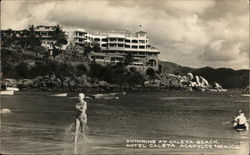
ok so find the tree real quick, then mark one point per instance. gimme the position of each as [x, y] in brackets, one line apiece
[150, 72]
[6, 38]
[60, 37]
[23, 70]
[96, 47]
[34, 40]
[87, 49]
[134, 77]
[60, 40]
[128, 59]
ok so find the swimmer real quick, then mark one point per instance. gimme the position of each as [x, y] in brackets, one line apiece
[240, 122]
[81, 116]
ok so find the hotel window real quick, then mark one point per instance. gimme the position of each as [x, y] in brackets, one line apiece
[120, 45]
[134, 41]
[127, 41]
[112, 45]
[112, 39]
[120, 40]
[127, 46]
[44, 33]
[97, 39]
[80, 34]
[142, 34]
[135, 47]
[104, 40]
[141, 41]
[142, 47]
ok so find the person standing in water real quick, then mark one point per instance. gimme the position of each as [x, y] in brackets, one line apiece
[81, 116]
[240, 122]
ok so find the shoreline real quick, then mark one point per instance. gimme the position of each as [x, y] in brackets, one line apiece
[126, 89]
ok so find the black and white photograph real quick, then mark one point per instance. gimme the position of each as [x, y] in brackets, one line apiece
[88, 77]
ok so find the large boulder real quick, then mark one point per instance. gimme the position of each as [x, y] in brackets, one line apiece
[190, 76]
[204, 82]
[146, 83]
[247, 90]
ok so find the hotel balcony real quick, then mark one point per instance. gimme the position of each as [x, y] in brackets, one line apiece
[153, 50]
[81, 37]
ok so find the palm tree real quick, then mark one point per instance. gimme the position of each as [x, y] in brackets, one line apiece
[60, 40]
[34, 40]
[60, 37]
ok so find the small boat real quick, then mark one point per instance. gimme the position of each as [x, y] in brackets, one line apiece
[105, 96]
[240, 129]
[12, 88]
[60, 95]
[246, 95]
[5, 111]
[7, 92]
[243, 127]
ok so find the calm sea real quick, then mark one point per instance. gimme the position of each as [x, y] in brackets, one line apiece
[40, 123]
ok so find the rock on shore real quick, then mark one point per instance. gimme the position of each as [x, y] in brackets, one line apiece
[188, 82]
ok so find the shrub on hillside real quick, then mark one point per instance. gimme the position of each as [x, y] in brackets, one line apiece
[151, 73]
[23, 70]
[117, 74]
[80, 70]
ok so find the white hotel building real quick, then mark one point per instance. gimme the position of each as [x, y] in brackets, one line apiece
[116, 44]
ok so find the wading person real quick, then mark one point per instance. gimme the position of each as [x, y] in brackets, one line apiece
[81, 117]
[240, 122]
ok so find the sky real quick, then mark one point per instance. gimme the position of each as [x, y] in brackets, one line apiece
[194, 33]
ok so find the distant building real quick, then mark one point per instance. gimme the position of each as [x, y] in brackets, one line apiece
[78, 37]
[117, 44]
[45, 32]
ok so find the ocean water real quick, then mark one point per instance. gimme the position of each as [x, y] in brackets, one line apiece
[40, 123]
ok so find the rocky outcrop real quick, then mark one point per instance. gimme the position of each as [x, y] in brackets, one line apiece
[189, 82]
[52, 82]
[247, 90]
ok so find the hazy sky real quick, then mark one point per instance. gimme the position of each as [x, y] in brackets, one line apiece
[195, 33]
